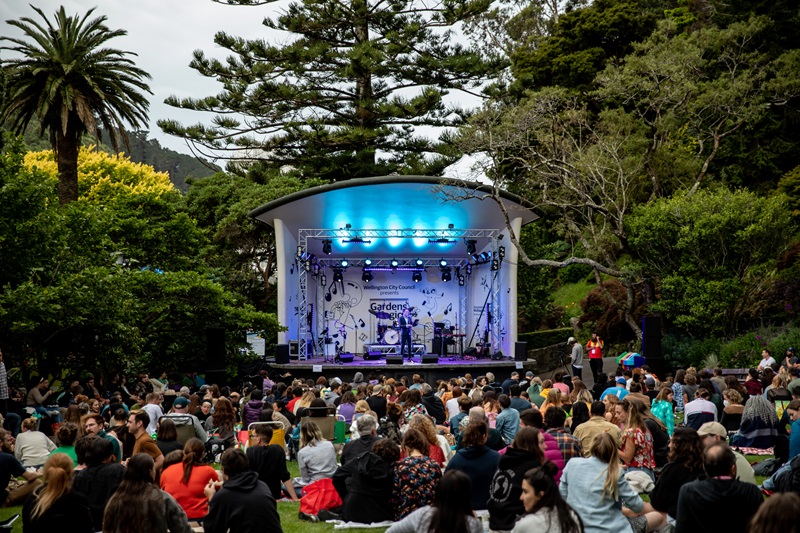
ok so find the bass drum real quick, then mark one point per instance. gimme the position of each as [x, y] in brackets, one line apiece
[391, 337]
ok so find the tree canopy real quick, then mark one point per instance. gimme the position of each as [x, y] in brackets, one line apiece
[66, 77]
[345, 96]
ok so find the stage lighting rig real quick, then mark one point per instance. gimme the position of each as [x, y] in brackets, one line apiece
[327, 246]
[344, 263]
[416, 277]
[501, 252]
[447, 274]
[366, 276]
[337, 275]
[471, 246]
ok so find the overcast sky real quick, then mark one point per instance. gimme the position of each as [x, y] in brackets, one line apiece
[163, 33]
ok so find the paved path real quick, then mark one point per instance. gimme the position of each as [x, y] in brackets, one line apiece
[609, 366]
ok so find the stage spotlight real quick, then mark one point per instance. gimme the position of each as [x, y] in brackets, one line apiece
[366, 277]
[447, 274]
[344, 263]
[327, 247]
[323, 280]
[461, 281]
[368, 262]
[501, 252]
[316, 268]
[419, 262]
[442, 262]
[471, 246]
[468, 269]
[416, 277]
[307, 266]
[299, 252]
[337, 275]
[495, 264]
[394, 263]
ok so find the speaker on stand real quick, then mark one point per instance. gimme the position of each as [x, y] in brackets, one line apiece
[520, 351]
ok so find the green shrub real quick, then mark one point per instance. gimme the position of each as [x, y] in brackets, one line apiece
[545, 337]
[682, 351]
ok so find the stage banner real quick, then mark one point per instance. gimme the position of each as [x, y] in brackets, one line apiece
[393, 306]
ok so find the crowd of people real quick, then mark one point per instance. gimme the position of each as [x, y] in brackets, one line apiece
[523, 454]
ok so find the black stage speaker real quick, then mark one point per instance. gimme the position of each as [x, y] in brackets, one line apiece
[520, 351]
[651, 344]
[282, 354]
[394, 359]
[215, 348]
[497, 356]
[471, 351]
[430, 359]
[372, 355]
[346, 357]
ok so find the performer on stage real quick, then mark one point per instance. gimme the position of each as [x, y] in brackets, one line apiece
[405, 324]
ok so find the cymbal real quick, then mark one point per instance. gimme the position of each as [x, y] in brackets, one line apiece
[383, 315]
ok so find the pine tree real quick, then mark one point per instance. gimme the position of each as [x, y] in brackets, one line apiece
[345, 97]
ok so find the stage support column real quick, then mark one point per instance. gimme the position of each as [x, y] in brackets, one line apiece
[285, 247]
[510, 267]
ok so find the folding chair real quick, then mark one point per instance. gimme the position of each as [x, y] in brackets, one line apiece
[325, 418]
[184, 426]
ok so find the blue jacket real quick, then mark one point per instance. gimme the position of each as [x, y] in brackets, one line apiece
[480, 464]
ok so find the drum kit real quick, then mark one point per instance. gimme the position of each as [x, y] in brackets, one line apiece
[388, 333]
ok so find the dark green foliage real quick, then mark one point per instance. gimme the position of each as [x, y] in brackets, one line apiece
[66, 303]
[352, 84]
[582, 42]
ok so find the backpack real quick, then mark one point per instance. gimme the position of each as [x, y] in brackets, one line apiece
[390, 430]
[789, 481]
[214, 448]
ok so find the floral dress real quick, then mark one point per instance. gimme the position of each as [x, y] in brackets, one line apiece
[677, 392]
[643, 441]
[415, 483]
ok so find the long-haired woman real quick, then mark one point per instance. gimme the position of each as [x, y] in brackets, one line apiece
[223, 420]
[685, 465]
[596, 489]
[580, 414]
[662, 408]
[167, 436]
[55, 504]
[732, 413]
[186, 480]
[424, 425]
[553, 400]
[138, 505]
[416, 476]
[450, 511]
[526, 452]
[637, 441]
[316, 458]
[546, 509]
[759, 424]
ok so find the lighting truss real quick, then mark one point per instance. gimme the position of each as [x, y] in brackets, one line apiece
[378, 264]
[407, 233]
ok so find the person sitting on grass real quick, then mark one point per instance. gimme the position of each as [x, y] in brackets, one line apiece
[242, 502]
[449, 512]
[55, 506]
[269, 462]
[365, 485]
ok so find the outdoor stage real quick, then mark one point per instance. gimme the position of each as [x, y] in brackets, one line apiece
[446, 367]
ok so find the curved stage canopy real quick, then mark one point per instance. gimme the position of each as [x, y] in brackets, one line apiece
[417, 222]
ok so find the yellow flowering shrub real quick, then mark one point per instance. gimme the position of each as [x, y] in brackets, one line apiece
[102, 177]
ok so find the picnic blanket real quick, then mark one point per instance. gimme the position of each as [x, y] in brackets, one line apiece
[754, 451]
[341, 524]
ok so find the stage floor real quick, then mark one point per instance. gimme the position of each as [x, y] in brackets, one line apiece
[447, 366]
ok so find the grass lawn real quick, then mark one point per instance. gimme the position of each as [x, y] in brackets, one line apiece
[569, 297]
[288, 510]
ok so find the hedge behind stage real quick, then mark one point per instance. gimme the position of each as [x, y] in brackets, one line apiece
[545, 337]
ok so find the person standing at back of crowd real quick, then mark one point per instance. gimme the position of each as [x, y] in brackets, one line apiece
[576, 357]
[595, 348]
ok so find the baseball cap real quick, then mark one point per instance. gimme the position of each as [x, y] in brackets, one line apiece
[529, 374]
[621, 380]
[713, 428]
[570, 340]
[377, 389]
[650, 382]
[181, 401]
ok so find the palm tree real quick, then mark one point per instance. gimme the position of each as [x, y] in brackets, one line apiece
[65, 77]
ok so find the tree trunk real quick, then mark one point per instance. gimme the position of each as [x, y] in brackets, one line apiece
[67, 147]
